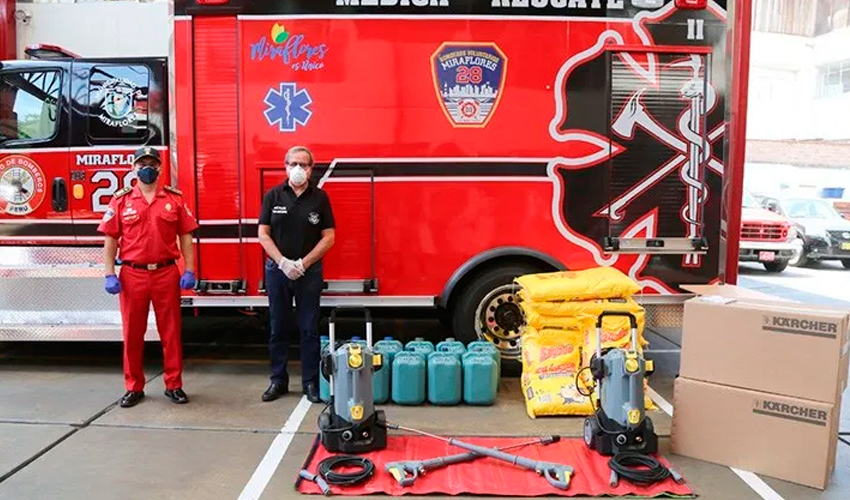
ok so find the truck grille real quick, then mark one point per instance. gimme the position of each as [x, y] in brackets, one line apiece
[763, 231]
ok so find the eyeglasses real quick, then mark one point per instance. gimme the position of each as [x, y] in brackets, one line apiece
[298, 164]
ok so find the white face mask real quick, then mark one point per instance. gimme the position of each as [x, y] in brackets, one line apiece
[297, 175]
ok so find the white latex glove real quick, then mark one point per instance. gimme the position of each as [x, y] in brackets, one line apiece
[299, 264]
[289, 269]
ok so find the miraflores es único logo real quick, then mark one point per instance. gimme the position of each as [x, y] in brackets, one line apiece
[290, 48]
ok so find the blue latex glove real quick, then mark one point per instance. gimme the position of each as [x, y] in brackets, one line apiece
[187, 281]
[112, 286]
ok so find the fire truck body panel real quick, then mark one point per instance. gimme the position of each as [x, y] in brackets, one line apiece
[460, 145]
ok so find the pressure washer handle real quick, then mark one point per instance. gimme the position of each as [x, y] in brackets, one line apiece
[558, 475]
[405, 472]
[632, 324]
[346, 309]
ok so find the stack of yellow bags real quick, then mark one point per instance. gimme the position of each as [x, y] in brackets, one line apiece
[561, 311]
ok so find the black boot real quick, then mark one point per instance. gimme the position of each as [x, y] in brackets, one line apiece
[312, 392]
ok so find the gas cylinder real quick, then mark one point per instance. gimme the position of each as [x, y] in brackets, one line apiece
[420, 345]
[483, 345]
[444, 378]
[387, 348]
[408, 378]
[480, 378]
[453, 346]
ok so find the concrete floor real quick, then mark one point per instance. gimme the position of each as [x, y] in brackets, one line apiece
[62, 435]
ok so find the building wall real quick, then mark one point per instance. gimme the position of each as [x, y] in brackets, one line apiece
[98, 29]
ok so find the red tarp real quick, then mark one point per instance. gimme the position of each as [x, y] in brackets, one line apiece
[488, 476]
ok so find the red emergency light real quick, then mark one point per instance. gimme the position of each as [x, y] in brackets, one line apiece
[211, 2]
[48, 51]
[691, 4]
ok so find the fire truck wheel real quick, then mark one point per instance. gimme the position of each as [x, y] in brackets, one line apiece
[487, 309]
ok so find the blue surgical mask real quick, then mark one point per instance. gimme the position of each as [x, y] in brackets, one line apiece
[148, 174]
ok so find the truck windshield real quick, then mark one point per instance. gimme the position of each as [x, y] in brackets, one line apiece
[810, 209]
[750, 201]
[28, 105]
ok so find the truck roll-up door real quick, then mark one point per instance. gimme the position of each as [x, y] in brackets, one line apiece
[665, 124]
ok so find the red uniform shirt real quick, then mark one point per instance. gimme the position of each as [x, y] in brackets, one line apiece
[147, 233]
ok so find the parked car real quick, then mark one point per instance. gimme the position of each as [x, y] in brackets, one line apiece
[825, 233]
[766, 237]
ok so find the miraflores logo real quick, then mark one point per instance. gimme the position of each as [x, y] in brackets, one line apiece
[392, 3]
[290, 48]
[119, 102]
[559, 4]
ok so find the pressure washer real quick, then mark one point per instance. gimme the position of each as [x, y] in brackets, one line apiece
[352, 425]
[619, 426]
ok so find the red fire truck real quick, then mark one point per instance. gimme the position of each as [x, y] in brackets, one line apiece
[462, 143]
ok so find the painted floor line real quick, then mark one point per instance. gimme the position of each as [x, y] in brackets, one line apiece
[753, 481]
[268, 465]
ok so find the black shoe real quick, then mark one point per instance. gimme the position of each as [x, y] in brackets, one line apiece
[312, 392]
[177, 396]
[275, 390]
[132, 398]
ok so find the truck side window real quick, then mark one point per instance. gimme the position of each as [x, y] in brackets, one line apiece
[29, 105]
[118, 104]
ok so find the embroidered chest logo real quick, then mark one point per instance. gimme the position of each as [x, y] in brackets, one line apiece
[313, 218]
[279, 210]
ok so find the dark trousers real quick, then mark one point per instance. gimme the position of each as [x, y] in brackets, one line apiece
[307, 291]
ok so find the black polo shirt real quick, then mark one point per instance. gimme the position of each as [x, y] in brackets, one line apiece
[296, 221]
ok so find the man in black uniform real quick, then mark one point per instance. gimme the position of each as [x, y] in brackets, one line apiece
[296, 230]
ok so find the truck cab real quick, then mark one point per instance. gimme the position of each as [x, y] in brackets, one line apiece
[766, 237]
[68, 127]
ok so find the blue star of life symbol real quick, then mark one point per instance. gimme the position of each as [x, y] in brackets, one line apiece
[288, 107]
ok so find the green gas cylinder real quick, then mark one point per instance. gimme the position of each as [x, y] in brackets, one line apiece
[324, 384]
[444, 378]
[483, 345]
[408, 378]
[387, 348]
[453, 346]
[420, 345]
[480, 378]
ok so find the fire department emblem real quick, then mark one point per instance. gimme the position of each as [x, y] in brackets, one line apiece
[22, 186]
[118, 103]
[288, 107]
[469, 80]
[313, 218]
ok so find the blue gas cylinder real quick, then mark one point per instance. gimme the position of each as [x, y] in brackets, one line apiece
[444, 379]
[420, 345]
[387, 348]
[488, 347]
[408, 378]
[324, 384]
[480, 378]
[453, 346]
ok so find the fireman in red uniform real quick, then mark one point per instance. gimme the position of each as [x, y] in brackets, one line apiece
[146, 222]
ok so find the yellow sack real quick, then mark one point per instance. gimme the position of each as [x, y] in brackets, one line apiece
[554, 394]
[534, 319]
[585, 312]
[595, 283]
[551, 351]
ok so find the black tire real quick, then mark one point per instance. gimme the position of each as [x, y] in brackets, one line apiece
[470, 297]
[845, 263]
[776, 267]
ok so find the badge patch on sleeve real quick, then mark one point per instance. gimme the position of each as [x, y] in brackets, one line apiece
[109, 214]
[469, 79]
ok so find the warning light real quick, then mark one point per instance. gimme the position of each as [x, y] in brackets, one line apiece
[212, 2]
[691, 4]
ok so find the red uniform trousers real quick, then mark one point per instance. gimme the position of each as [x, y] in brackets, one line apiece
[139, 288]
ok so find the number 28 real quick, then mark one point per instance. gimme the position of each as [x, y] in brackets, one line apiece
[468, 74]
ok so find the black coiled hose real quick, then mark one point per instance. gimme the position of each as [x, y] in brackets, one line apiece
[622, 464]
[326, 467]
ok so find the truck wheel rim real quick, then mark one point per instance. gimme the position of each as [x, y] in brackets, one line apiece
[499, 320]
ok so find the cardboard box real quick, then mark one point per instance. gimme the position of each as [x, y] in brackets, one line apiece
[787, 438]
[786, 348]
[731, 291]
